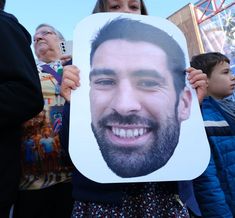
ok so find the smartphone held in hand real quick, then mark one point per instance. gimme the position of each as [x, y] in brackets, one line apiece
[66, 47]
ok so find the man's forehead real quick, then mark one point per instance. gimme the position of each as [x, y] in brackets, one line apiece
[113, 48]
[44, 28]
[130, 53]
[127, 41]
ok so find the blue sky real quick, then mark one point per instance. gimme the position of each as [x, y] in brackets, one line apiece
[64, 15]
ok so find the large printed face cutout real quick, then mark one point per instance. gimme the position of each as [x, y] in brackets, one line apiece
[137, 102]
[134, 108]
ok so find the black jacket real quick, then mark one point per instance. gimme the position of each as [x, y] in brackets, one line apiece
[20, 99]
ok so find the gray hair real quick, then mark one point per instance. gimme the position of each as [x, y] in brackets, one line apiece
[57, 32]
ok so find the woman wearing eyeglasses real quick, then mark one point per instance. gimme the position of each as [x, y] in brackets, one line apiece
[45, 187]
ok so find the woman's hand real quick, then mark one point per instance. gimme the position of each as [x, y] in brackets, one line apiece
[70, 81]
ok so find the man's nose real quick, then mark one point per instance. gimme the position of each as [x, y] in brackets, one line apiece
[127, 10]
[126, 100]
[37, 38]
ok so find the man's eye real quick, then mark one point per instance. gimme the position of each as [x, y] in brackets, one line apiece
[104, 82]
[148, 83]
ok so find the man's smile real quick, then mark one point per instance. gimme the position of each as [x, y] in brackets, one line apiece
[128, 135]
[135, 145]
[127, 132]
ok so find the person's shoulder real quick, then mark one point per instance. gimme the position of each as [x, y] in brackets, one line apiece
[8, 17]
[212, 111]
[208, 107]
[207, 101]
[10, 22]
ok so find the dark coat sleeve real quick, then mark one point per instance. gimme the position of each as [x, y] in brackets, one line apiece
[20, 90]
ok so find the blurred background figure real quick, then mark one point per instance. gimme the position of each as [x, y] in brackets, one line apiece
[45, 188]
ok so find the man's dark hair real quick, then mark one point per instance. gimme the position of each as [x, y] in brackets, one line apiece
[2, 4]
[207, 61]
[135, 31]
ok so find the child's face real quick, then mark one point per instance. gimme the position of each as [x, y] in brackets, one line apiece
[221, 82]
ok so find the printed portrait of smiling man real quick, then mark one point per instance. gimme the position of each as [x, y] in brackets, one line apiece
[138, 96]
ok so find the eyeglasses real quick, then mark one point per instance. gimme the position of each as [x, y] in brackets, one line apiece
[41, 34]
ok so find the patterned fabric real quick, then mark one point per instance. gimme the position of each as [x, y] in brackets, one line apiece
[44, 162]
[149, 201]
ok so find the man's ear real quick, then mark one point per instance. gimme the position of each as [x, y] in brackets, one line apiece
[184, 106]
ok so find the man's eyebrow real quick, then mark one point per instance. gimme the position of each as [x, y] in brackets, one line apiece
[149, 73]
[104, 71]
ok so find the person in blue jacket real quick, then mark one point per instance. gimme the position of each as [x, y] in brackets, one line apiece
[215, 188]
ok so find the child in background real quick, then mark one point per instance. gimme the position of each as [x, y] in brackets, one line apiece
[215, 188]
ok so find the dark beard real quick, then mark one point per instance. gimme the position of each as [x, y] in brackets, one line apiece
[134, 161]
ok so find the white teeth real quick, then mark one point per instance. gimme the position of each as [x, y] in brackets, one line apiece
[136, 133]
[122, 133]
[128, 133]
